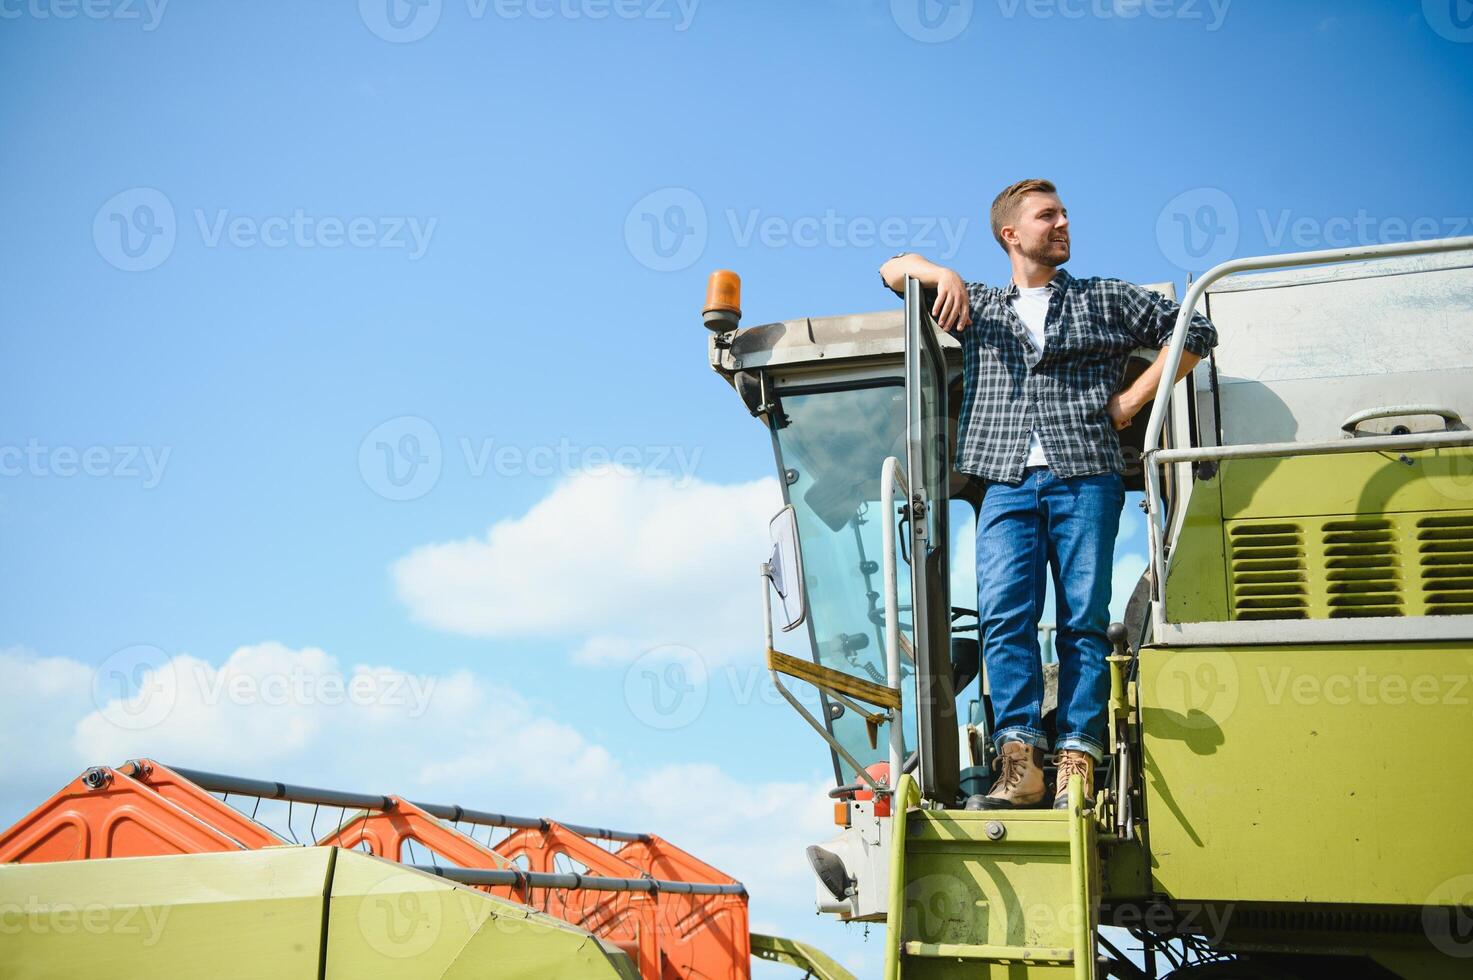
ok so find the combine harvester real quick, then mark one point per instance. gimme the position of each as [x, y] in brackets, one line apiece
[1292, 688]
[144, 871]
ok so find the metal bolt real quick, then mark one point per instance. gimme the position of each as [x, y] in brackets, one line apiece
[994, 830]
[96, 778]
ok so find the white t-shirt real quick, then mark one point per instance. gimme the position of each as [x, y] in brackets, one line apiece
[1032, 308]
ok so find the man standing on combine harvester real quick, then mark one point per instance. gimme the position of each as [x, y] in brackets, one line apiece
[1044, 359]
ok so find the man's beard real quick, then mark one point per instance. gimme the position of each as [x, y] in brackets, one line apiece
[1048, 253]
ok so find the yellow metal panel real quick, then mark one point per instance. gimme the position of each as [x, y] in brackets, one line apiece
[388, 921]
[1308, 773]
[1357, 483]
[222, 916]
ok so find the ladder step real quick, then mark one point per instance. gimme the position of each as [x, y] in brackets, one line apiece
[1012, 954]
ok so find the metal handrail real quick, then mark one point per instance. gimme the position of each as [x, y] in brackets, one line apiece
[1154, 456]
[892, 476]
[1364, 444]
[267, 789]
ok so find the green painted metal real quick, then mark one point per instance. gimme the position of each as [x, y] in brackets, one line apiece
[994, 894]
[907, 795]
[801, 955]
[1354, 483]
[1196, 582]
[292, 913]
[1307, 774]
[1327, 536]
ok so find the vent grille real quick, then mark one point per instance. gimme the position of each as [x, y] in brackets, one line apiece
[1445, 553]
[1349, 567]
[1270, 580]
[1362, 568]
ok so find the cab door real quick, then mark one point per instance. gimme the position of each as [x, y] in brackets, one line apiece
[928, 469]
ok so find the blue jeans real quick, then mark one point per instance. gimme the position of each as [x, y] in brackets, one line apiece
[1068, 526]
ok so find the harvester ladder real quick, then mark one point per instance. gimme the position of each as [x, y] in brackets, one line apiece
[1001, 889]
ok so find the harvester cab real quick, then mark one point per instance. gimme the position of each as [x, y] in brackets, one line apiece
[1309, 502]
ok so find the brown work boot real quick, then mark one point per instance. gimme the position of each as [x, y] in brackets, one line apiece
[1020, 784]
[1071, 762]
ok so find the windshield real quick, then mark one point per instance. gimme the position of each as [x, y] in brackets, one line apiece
[831, 452]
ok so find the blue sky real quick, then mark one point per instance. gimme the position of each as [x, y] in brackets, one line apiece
[339, 234]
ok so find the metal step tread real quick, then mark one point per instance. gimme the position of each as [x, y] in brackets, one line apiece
[964, 827]
[1007, 954]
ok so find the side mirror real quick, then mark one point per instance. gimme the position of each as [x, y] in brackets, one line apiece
[785, 567]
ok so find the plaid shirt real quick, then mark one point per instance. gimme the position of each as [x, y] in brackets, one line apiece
[1010, 389]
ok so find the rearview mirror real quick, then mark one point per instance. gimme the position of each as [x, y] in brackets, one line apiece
[785, 567]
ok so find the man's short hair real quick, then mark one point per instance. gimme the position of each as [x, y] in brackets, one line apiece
[1005, 207]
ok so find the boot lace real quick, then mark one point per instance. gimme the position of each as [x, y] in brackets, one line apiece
[1013, 769]
[1070, 765]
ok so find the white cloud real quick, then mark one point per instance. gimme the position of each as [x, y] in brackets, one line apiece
[612, 561]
